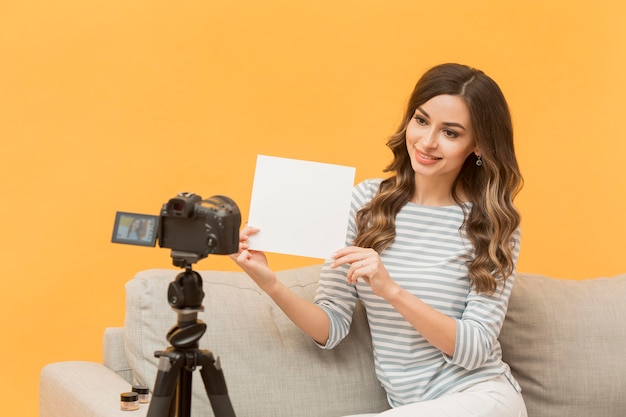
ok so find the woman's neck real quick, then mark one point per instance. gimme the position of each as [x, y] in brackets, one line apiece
[434, 193]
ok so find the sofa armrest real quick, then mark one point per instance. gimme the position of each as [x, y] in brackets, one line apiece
[114, 354]
[82, 389]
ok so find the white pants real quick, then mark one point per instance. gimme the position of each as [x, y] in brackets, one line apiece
[494, 398]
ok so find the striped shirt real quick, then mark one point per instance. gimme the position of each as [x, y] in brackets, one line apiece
[428, 258]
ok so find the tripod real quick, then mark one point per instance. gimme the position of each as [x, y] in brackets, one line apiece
[172, 390]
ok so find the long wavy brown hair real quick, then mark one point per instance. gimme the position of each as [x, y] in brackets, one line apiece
[492, 219]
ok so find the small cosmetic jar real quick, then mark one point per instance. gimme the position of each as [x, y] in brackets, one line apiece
[143, 392]
[129, 401]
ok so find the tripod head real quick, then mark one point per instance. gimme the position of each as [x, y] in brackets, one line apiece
[185, 295]
[184, 259]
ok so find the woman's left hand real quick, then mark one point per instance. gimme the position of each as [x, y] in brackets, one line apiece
[365, 264]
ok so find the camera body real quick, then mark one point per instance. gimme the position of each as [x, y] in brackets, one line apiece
[201, 227]
[192, 227]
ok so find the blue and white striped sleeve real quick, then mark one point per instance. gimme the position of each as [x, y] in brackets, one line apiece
[335, 295]
[479, 327]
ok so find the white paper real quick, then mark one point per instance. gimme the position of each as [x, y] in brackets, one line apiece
[300, 207]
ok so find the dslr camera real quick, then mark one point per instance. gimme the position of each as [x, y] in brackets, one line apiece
[191, 227]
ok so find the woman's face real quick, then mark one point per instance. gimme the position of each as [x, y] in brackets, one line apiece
[439, 138]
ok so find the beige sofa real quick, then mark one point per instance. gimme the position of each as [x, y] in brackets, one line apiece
[565, 341]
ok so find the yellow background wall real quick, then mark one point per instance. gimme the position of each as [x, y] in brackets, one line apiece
[118, 105]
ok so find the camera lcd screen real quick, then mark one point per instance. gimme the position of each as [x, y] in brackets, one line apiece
[135, 229]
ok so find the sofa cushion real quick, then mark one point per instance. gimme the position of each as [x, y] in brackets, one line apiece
[565, 341]
[271, 367]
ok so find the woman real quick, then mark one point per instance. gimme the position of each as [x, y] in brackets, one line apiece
[431, 253]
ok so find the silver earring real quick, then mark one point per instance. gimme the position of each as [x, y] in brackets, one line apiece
[479, 161]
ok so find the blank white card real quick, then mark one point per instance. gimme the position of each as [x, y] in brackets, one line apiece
[300, 207]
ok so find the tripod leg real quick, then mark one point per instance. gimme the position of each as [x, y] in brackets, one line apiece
[162, 403]
[215, 385]
[184, 393]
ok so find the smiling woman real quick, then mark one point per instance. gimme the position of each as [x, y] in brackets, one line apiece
[429, 254]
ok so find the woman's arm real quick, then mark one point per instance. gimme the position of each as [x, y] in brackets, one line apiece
[304, 314]
[436, 327]
[467, 341]
[365, 264]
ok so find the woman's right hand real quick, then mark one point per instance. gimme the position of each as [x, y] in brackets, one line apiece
[254, 263]
[305, 314]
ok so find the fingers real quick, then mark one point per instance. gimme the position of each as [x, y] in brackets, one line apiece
[245, 234]
[249, 230]
[360, 270]
[243, 256]
[357, 270]
[355, 256]
[363, 263]
[245, 260]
